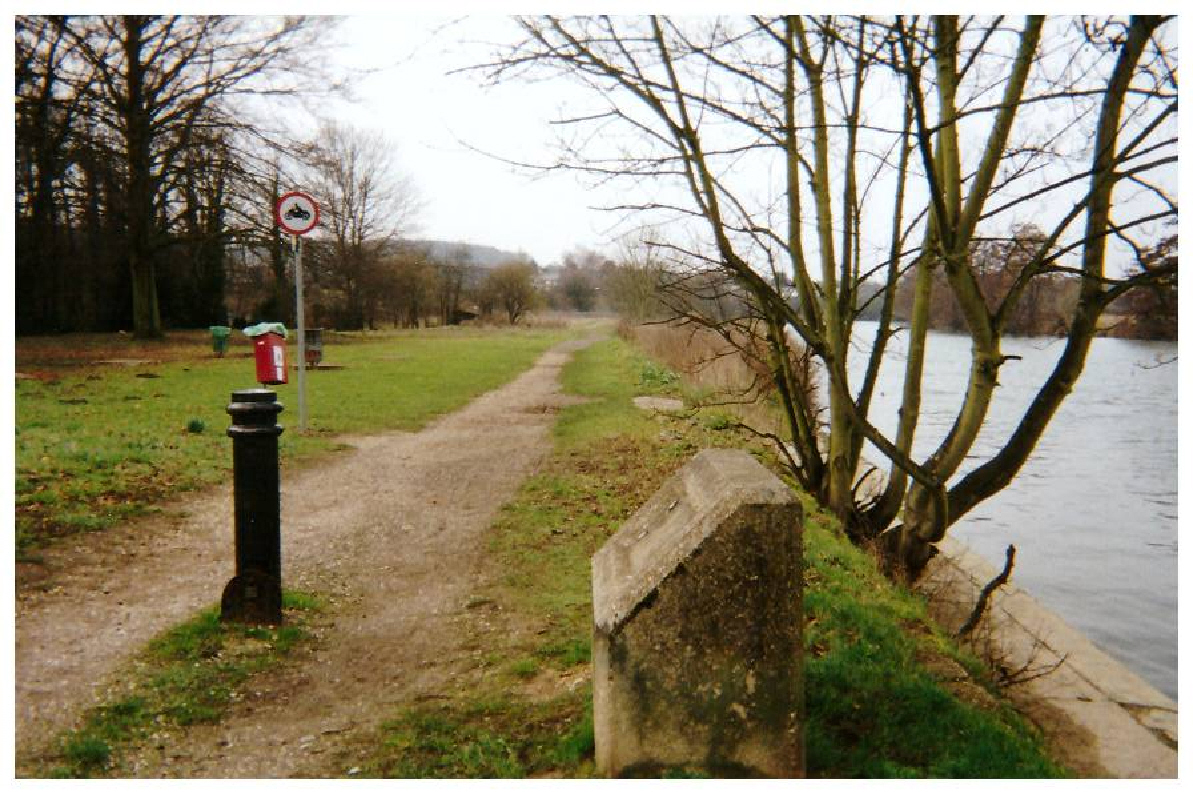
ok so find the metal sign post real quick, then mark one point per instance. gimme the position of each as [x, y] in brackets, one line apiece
[297, 213]
[302, 336]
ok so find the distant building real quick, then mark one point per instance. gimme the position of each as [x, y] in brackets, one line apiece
[549, 275]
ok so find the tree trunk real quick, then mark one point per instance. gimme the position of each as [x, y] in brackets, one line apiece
[277, 263]
[147, 322]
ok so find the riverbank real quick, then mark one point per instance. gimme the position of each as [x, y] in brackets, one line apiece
[1103, 720]
[1093, 511]
[887, 694]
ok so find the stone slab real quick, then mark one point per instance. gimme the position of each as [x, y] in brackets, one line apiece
[658, 404]
[673, 523]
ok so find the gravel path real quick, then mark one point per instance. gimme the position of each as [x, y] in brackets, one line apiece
[391, 531]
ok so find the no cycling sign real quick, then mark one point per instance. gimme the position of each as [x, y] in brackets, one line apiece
[297, 213]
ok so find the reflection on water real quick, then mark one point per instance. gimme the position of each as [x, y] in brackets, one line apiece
[1093, 512]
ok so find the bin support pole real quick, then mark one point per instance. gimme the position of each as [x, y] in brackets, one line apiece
[302, 337]
[254, 595]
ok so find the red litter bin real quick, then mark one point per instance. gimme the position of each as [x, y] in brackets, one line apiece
[269, 350]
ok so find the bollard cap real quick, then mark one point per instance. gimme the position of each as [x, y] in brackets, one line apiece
[254, 412]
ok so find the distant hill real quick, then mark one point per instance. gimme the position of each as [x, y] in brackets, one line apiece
[481, 255]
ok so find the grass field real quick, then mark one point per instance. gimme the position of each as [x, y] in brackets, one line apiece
[884, 691]
[96, 443]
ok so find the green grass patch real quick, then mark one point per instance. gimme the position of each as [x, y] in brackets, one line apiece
[99, 444]
[188, 675]
[610, 375]
[873, 709]
[487, 739]
[524, 668]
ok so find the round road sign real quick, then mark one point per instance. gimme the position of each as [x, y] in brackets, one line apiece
[296, 213]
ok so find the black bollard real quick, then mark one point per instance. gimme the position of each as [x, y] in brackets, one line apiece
[254, 595]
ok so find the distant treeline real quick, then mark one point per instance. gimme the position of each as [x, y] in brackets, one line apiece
[1049, 299]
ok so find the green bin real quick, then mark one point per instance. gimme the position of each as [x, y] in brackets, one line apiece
[219, 339]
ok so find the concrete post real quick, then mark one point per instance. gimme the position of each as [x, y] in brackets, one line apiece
[254, 595]
[698, 635]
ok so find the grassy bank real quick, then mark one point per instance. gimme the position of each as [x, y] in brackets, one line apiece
[887, 694]
[97, 443]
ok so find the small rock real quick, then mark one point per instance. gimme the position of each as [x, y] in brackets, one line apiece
[942, 668]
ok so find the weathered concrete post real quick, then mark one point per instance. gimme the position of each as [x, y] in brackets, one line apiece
[698, 637]
[254, 595]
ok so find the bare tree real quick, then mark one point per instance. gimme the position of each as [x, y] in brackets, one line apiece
[62, 185]
[408, 282]
[455, 272]
[632, 281]
[824, 152]
[366, 205]
[579, 282]
[156, 86]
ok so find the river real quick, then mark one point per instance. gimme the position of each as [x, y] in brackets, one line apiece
[1093, 513]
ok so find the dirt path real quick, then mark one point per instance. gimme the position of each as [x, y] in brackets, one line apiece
[391, 531]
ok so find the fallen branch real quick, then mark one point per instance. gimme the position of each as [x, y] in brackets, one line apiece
[979, 609]
[1006, 677]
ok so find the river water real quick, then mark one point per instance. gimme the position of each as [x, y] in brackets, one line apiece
[1093, 513]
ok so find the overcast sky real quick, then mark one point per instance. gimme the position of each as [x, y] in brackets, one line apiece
[433, 118]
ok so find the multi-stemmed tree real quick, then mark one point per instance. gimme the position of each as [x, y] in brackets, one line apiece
[828, 152]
